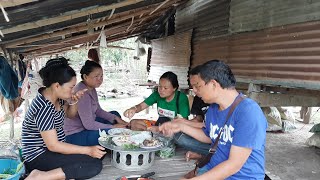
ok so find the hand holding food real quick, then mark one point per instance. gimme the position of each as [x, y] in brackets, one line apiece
[129, 113]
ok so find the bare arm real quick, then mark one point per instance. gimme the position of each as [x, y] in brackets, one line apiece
[238, 156]
[129, 113]
[198, 118]
[72, 108]
[51, 140]
[196, 133]
[169, 128]
[193, 123]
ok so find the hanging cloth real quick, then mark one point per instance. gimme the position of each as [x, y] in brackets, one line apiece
[8, 80]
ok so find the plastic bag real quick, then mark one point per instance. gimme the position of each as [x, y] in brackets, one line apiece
[273, 115]
[31, 83]
[169, 150]
[314, 140]
[315, 128]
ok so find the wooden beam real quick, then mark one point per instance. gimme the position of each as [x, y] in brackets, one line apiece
[108, 31]
[119, 47]
[159, 6]
[267, 96]
[68, 48]
[116, 18]
[10, 3]
[84, 39]
[68, 16]
[305, 114]
[277, 99]
[80, 39]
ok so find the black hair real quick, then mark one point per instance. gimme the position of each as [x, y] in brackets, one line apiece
[172, 77]
[88, 67]
[195, 70]
[93, 55]
[219, 71]
[56, 70]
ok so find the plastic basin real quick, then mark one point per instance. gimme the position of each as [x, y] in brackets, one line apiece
[11, 164]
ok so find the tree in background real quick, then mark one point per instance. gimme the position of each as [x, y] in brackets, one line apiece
[121, 70]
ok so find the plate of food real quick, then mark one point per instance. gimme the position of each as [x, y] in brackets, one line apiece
[151, 143]
[122, 140]
[120, 131]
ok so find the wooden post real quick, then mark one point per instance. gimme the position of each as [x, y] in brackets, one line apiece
[305, 114]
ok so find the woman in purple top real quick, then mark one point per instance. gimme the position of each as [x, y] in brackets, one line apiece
[83, 129]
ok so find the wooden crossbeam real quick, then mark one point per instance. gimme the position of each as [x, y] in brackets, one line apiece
[80, 39]
[159, 6]
[112, 35]
[115, 18]
[109, 32]
[11, 3]
[68, 16]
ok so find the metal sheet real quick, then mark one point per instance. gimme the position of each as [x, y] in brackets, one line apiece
[208, 18]
[286, 56]
[249, 15]
[171, 54]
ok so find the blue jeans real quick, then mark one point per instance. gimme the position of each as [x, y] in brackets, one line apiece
[89, 137]
[191, 144]
[202, 170]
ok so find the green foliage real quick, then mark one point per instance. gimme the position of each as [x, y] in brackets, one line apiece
[110, 56]
[130, 146]
[9, 171]
[19, 167]
[4, 176]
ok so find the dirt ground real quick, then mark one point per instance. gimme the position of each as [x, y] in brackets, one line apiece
[287, 156]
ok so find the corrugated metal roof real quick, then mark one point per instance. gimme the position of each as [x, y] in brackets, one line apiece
[171, 54]
[208, 18]
[286, 56]
[249, 15]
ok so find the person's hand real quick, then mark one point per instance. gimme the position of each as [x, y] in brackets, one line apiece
[119, 126]
[138, 125]
[121, 121]
[129, 113]
[76, 96]
[96, 151]
[154, 129]
[169, 128]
